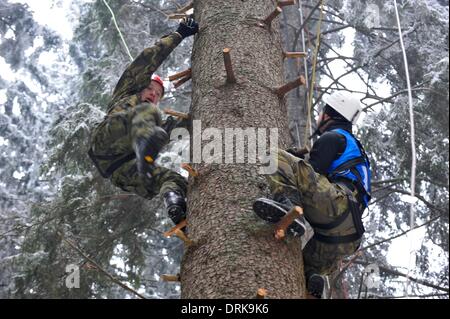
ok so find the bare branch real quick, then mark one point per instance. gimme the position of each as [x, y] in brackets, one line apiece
[152, 8]
[387, 99]
[399, 235]
[121, 284]
[422, 199]
[400, 274]
[337, 29]
[297, 34]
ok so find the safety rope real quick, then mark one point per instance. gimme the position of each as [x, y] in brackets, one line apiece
[118, 29]
[313, 76]
[413, 146]
[305, 65]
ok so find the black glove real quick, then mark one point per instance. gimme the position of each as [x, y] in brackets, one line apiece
[187, 27]
[169, 124]
[298, 152]
[175, 206]
[147, 149]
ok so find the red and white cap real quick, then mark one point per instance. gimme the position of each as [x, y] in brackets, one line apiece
[158, 80]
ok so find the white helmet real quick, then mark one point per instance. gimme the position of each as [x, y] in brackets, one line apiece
[345, 104]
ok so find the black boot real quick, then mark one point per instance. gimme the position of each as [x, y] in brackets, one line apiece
[273, 210]
[175, 206]
[316, 286]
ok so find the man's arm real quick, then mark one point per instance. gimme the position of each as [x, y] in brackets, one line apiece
[138, 74]
[325, 150]
[171, 123]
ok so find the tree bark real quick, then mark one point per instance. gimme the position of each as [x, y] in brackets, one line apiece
[234, 252]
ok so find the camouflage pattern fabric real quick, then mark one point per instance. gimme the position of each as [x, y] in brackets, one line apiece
[323, 202]
[127, 120]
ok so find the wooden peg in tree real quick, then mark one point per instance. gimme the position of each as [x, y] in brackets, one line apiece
[177, 16]
[228, 66]
[171, 278]
[179, 226]
[286, 3]
[283, 224]
[182, 81]
[261, 293]
[273, 15]
[180, 234]
[180, 75]
[294, 55]
[180, 115]
[192, 172]
[290, 86]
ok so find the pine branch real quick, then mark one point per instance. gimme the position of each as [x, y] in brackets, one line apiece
[422, 199]
[400, 274]
[389, 98]
[398, 235]
[93, 262]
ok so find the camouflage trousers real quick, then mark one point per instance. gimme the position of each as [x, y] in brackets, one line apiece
[323, 202]
[112, 142]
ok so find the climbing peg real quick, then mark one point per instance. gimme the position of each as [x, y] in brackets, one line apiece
[261, 293]
[180, 75]
[180, 115]
[273, 15]
[190, 170]
[179, 226]
[286, 3]
[177, 16]
[171, 278]
[283, 224]
[294, 54]
[180, 234]
[182, 81]
[290, 86]
[228, 67]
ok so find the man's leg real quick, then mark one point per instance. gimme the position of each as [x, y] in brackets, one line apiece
[171, 185]
[147, 137]
[132, 131]
[321, 200]
[321, 259]
[173, 189]
[128, 179]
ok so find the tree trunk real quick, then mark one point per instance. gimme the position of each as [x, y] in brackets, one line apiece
[234, 252]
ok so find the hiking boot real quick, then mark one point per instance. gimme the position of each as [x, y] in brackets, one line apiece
[175, 206]
[316, 286]
[273, 211]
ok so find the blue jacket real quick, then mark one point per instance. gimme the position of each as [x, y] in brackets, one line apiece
[353, 165]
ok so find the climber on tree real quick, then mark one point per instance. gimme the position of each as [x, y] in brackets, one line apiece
[333, 188]
[125, 145]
